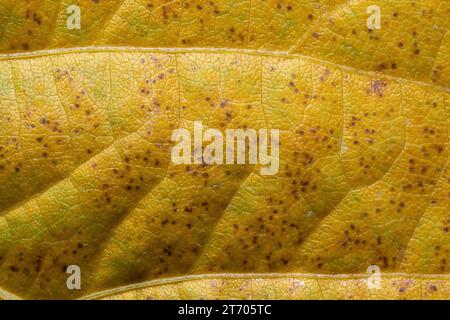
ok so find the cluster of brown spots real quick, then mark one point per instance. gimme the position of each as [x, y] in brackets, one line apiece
[416, 49]
[166, 12]
[437, 72]
[188, 209]
[317, 134]
[22, 262]
[425, 152]
[63, 75]
[423, 169]
[134, 184]
[352, 237]
[14, 269]
[215, 9]
[317, 261]
[432, 287]
[439, 148]
[355, 120]
[365, 163]
[370, 132]
[186, 41]
[54, 126]
[145, 91]
[2, 156]
[443, 264]
[172, 254]
[371, 37]
[235, 36]
[409, 187]
[385, 261]
[441, 255]
[293, 86]
[382, 66]
[34, 16]
[255, 233]
[305, 186]
[401, 206]
[446, 223]
[307, 159]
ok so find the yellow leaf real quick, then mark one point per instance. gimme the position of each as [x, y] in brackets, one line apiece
[87, 179]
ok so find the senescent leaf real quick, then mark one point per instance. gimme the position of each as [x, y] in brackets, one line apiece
[86, 176]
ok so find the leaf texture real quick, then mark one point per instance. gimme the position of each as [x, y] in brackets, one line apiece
[85, 137]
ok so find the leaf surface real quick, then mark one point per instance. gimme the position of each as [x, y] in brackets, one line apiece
[85, 137]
